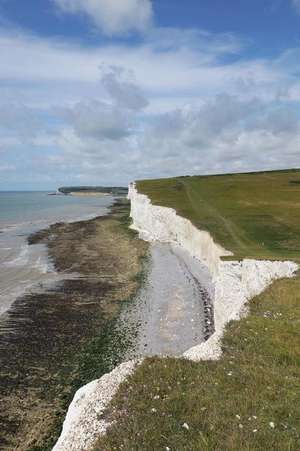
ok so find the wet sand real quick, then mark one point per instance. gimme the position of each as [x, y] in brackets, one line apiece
[55, 341]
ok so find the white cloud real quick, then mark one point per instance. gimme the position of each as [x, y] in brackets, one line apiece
[296, 4]
[17, 119]
[187, 70]
[9, 143]
[215, 138]
[112, 16]
[168, 38]
[99, 120]
[123, 89]
[248, 135]
[114, 118]
[114, 113]
[7, 167]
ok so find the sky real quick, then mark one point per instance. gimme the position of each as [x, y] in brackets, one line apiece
[104, 92]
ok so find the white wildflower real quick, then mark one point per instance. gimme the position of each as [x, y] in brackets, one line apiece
[153, 410]
[186, 426]
[272, 425]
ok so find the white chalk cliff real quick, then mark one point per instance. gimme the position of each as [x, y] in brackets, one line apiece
[235, 283]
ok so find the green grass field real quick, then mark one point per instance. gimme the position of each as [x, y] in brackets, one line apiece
[249, 399]
[253, 215]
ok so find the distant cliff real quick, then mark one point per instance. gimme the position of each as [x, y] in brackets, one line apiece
[114, 190]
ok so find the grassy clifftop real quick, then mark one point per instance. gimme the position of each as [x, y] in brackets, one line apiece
[253, 215]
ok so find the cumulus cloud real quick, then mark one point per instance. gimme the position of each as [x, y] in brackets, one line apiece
[248, 135]
[111, 114]
[19, 120]
[114, 118]
[187, 70]
[112, 17]
[99, 120]
[122, 88]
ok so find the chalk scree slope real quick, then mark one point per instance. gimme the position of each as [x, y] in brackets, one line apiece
[235, 283]
[84, 422]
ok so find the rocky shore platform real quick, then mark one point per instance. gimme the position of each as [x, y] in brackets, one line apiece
[58, 338]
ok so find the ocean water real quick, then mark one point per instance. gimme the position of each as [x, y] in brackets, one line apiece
[25, 268]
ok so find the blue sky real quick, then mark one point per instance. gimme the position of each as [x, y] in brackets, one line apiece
[271, 22]
[102, 92]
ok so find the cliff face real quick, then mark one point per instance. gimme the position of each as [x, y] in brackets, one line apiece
[162, 224]
[235, 281]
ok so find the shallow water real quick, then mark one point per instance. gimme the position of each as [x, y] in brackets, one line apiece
[169, 311]
[24, 267]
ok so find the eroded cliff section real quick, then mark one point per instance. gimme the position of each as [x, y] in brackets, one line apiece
[235, 282]
[84, 421]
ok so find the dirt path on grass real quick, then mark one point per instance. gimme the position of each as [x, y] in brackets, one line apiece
[198, 203]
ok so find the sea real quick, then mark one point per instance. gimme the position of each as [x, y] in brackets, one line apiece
[25, 268]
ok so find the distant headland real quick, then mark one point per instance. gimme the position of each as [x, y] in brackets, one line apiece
[93, 190]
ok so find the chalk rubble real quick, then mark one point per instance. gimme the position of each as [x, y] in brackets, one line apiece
[84, 422]
[235, 283]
